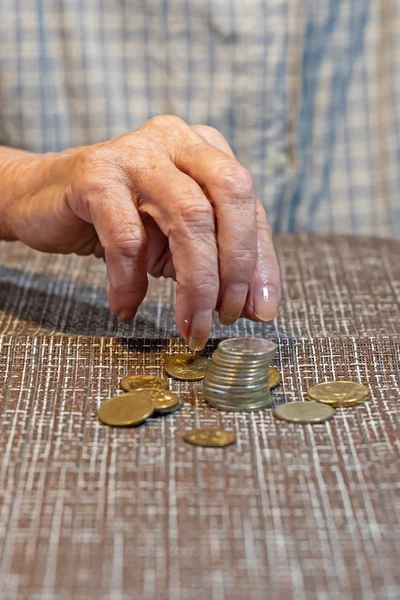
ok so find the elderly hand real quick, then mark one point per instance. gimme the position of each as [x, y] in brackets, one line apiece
[167, 199]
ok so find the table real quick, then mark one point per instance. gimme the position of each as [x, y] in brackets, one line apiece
[291, 511]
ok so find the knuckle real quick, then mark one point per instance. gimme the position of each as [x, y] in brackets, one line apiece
[246, 256]
[148, 144]
[196, 215]
[235, 178]
[265, 228]
[142, 140]
[164, 121]
[136, 148]
[98, 190]
[262, 221]
[213, 137]
[126, 243]
[201, 284]
[171, 132]
[239, 264]
[207, 131]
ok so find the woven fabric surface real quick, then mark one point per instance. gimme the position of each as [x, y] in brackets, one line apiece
[290, 511]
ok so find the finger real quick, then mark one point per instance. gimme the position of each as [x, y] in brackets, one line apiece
[231, 191]
[265, 291]
[213, 137]
[98, 250]
[182, 212]
[122, 236]
[159, 259]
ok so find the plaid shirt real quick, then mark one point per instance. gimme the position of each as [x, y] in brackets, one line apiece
[307, 92]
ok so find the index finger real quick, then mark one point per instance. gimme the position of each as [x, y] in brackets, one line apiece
[183, 213]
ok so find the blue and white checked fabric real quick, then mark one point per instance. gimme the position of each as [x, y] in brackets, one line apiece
[307, 92]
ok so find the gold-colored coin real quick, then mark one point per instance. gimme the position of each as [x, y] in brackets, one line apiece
[210, 438]
[136, 382]
[339, 393]
[125, 410]
[187, 366]
[304, 412]
[163, 401]
[274, 378]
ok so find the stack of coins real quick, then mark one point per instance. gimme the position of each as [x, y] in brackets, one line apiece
[237, 375]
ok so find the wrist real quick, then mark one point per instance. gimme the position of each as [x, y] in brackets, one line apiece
[24, 177]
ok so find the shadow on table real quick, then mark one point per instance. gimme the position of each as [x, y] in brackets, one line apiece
[32, 303]
[39, 302]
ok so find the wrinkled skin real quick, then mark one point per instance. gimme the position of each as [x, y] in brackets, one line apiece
[167, 199]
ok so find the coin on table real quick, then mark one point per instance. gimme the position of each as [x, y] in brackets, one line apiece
[274, 378]
[135, 382]
[339, 393]
[187, 366]
[163, 401]
[125, 410]
[210, 438]
[304, 412]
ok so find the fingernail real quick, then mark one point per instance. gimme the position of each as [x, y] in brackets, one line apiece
[265, 303]
[197, 344]
[232, 303]
[228, 319]
[125, 315]
[200, 329]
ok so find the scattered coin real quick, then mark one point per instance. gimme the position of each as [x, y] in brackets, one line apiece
[163, 401]
[210, 438]
[304, 412]
[339, 393]
[135, 382]
[125, 410]
[187, 366]
[274, 377]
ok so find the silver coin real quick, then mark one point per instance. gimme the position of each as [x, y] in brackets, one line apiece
[243, 346]
[239, 357]
[214, 377]
[248, 368]
[260, 402]
[233, 392]
[241, 366]
[304, 412]
[238, 378]
[238, 366]
[215, 372]
[233, 384]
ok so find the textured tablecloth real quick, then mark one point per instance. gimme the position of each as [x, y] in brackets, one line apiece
[290, 511]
